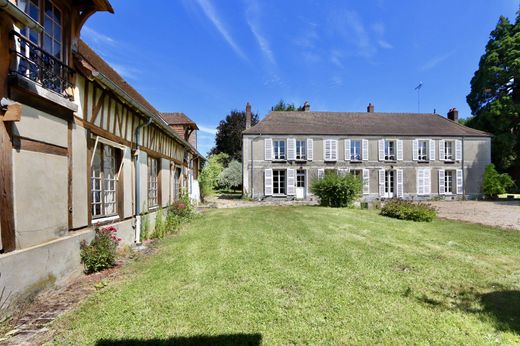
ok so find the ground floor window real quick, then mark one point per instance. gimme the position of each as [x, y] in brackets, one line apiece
[103, 181]
[358, 173]
[279, 182]
[153, 196]
[300, 178]
[389, 183]
[448, 181]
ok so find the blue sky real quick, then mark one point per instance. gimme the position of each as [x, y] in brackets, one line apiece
[206, 57]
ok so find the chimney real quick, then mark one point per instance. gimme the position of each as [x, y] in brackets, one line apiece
[306, 106]
[370, 108]
[248, 115]
[453, 114]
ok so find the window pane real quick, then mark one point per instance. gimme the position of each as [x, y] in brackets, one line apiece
[47, 25]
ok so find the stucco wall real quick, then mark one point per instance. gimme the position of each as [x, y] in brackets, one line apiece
[41, 126]
[477, 155]
[80, 187]
[128, 183]
[165, 182]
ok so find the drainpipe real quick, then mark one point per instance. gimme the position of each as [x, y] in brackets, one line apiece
[463, 172]
[138, 183]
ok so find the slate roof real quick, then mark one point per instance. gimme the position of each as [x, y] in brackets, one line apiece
[360, 123]
[178, 118]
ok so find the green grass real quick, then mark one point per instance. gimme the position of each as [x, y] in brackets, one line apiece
[312, 275]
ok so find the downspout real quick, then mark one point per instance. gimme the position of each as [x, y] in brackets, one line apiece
[463, 172]
[138, 182]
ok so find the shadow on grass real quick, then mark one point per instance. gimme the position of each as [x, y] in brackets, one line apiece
[225, 339]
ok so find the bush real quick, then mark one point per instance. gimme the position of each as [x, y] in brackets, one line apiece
[406, 210]
[101, 253]
[337, 191]
[182, 209]
[494, 183]
[231, 176]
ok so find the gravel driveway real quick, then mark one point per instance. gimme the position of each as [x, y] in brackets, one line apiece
[499, 214]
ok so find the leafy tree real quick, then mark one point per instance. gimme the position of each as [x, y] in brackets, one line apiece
[494, 183]
[336, 190]
[231, 176]
[281, 106]
[229, 134]
[495, 95]
[209, 176]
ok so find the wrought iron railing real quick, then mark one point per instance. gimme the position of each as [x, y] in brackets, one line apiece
[32, 62]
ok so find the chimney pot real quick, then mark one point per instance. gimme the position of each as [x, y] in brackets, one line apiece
[370, 108]
[453, 114]
[306, 106]
[248, 115]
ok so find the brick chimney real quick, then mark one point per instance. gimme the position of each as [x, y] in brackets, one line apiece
[248, 115]
[453, 114]
[306, 106]
[370, 108]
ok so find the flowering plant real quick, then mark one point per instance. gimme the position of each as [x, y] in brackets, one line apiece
[101, 252]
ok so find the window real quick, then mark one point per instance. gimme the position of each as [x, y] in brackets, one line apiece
[300, 178]
[390, 150]
[389, 183]
[355, 150]
[279, 182]
[422, 150]
[153, 197]
[358, 173]
[331, 150]
[103, 181]
[279, 149]
[300, 150]
[448, 150]
[448, 181]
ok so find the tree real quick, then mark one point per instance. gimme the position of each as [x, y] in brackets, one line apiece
[231, 176]
[494, 98]
[229, 134]
[209, 176]
[494, 183]
[281, 106]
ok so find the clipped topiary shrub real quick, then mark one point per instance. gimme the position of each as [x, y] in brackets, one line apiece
[100, 254]
[406, 210]
[337, 190]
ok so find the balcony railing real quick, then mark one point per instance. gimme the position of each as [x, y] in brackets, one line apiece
[32, 62]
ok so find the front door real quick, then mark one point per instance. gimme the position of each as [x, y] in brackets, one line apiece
[389, 183]
[300, 184]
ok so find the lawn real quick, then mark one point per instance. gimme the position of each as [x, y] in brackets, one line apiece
[311, 275]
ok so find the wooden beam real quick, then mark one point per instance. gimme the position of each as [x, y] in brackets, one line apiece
[6, 188]
[21, 143]
[90, 150]
[97, 106]
[13, 113]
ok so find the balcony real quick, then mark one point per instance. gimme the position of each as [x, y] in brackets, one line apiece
[33, 63]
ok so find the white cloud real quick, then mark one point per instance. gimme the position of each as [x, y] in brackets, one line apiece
[210, 12]
[335, 58]
[95, 37]
[252, 14]
[379, 30]
[125, 71]
[436, 60]
[207, 129]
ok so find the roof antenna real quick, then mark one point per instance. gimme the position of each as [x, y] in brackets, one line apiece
[418, 88]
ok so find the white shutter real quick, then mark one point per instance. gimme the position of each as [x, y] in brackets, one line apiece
[364, 149]
[366, 181]
[382, 182]
[291, 149]
[291, 177]
[326, 149]
[309, 149]
[442, 155]
[321, 173]
[334, 149]
[442, 190]
[427, 181]
[268, 149]
[432, 150]
[399, 150]
[415, 148]
[420, 181]
[400, 188]
[381, 146]
[347, 149]
[268, 182]
[459, 182]
[458, 150]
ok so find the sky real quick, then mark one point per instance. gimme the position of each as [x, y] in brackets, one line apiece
[208, 57]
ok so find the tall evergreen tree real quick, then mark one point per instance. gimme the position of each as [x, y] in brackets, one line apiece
[495, 95]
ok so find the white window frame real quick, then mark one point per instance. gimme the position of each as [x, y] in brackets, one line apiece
[388, 154]
[279, 182]
[449, 183]
[103, 186]
[330, 145]
[153, 165]
[301, 150]
[278, 155]
[449, 156]
[356, 153]
[423, 150]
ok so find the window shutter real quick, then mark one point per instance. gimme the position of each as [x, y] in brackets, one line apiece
[432, 150]
[334, 149]
[420, 181]
[321, 173]
[382, 182]
[442, 191]
[291, 173]
[442, 155]
[427, 181]
[268, 149]
[347, 149]
[309, 149]
[291, 149]
[399, 150]
[326, 150]
[415, 149]
[459, 182]
[381, 146]
[458, 150]
[364, 149]
[400, 188]
[268, 182]
[366, 181]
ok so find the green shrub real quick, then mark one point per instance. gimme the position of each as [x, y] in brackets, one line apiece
[183, 208]
[145, 227]
[494, 183]
[406, 210]
[160, 225]
[337, 190]
[101, 253]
